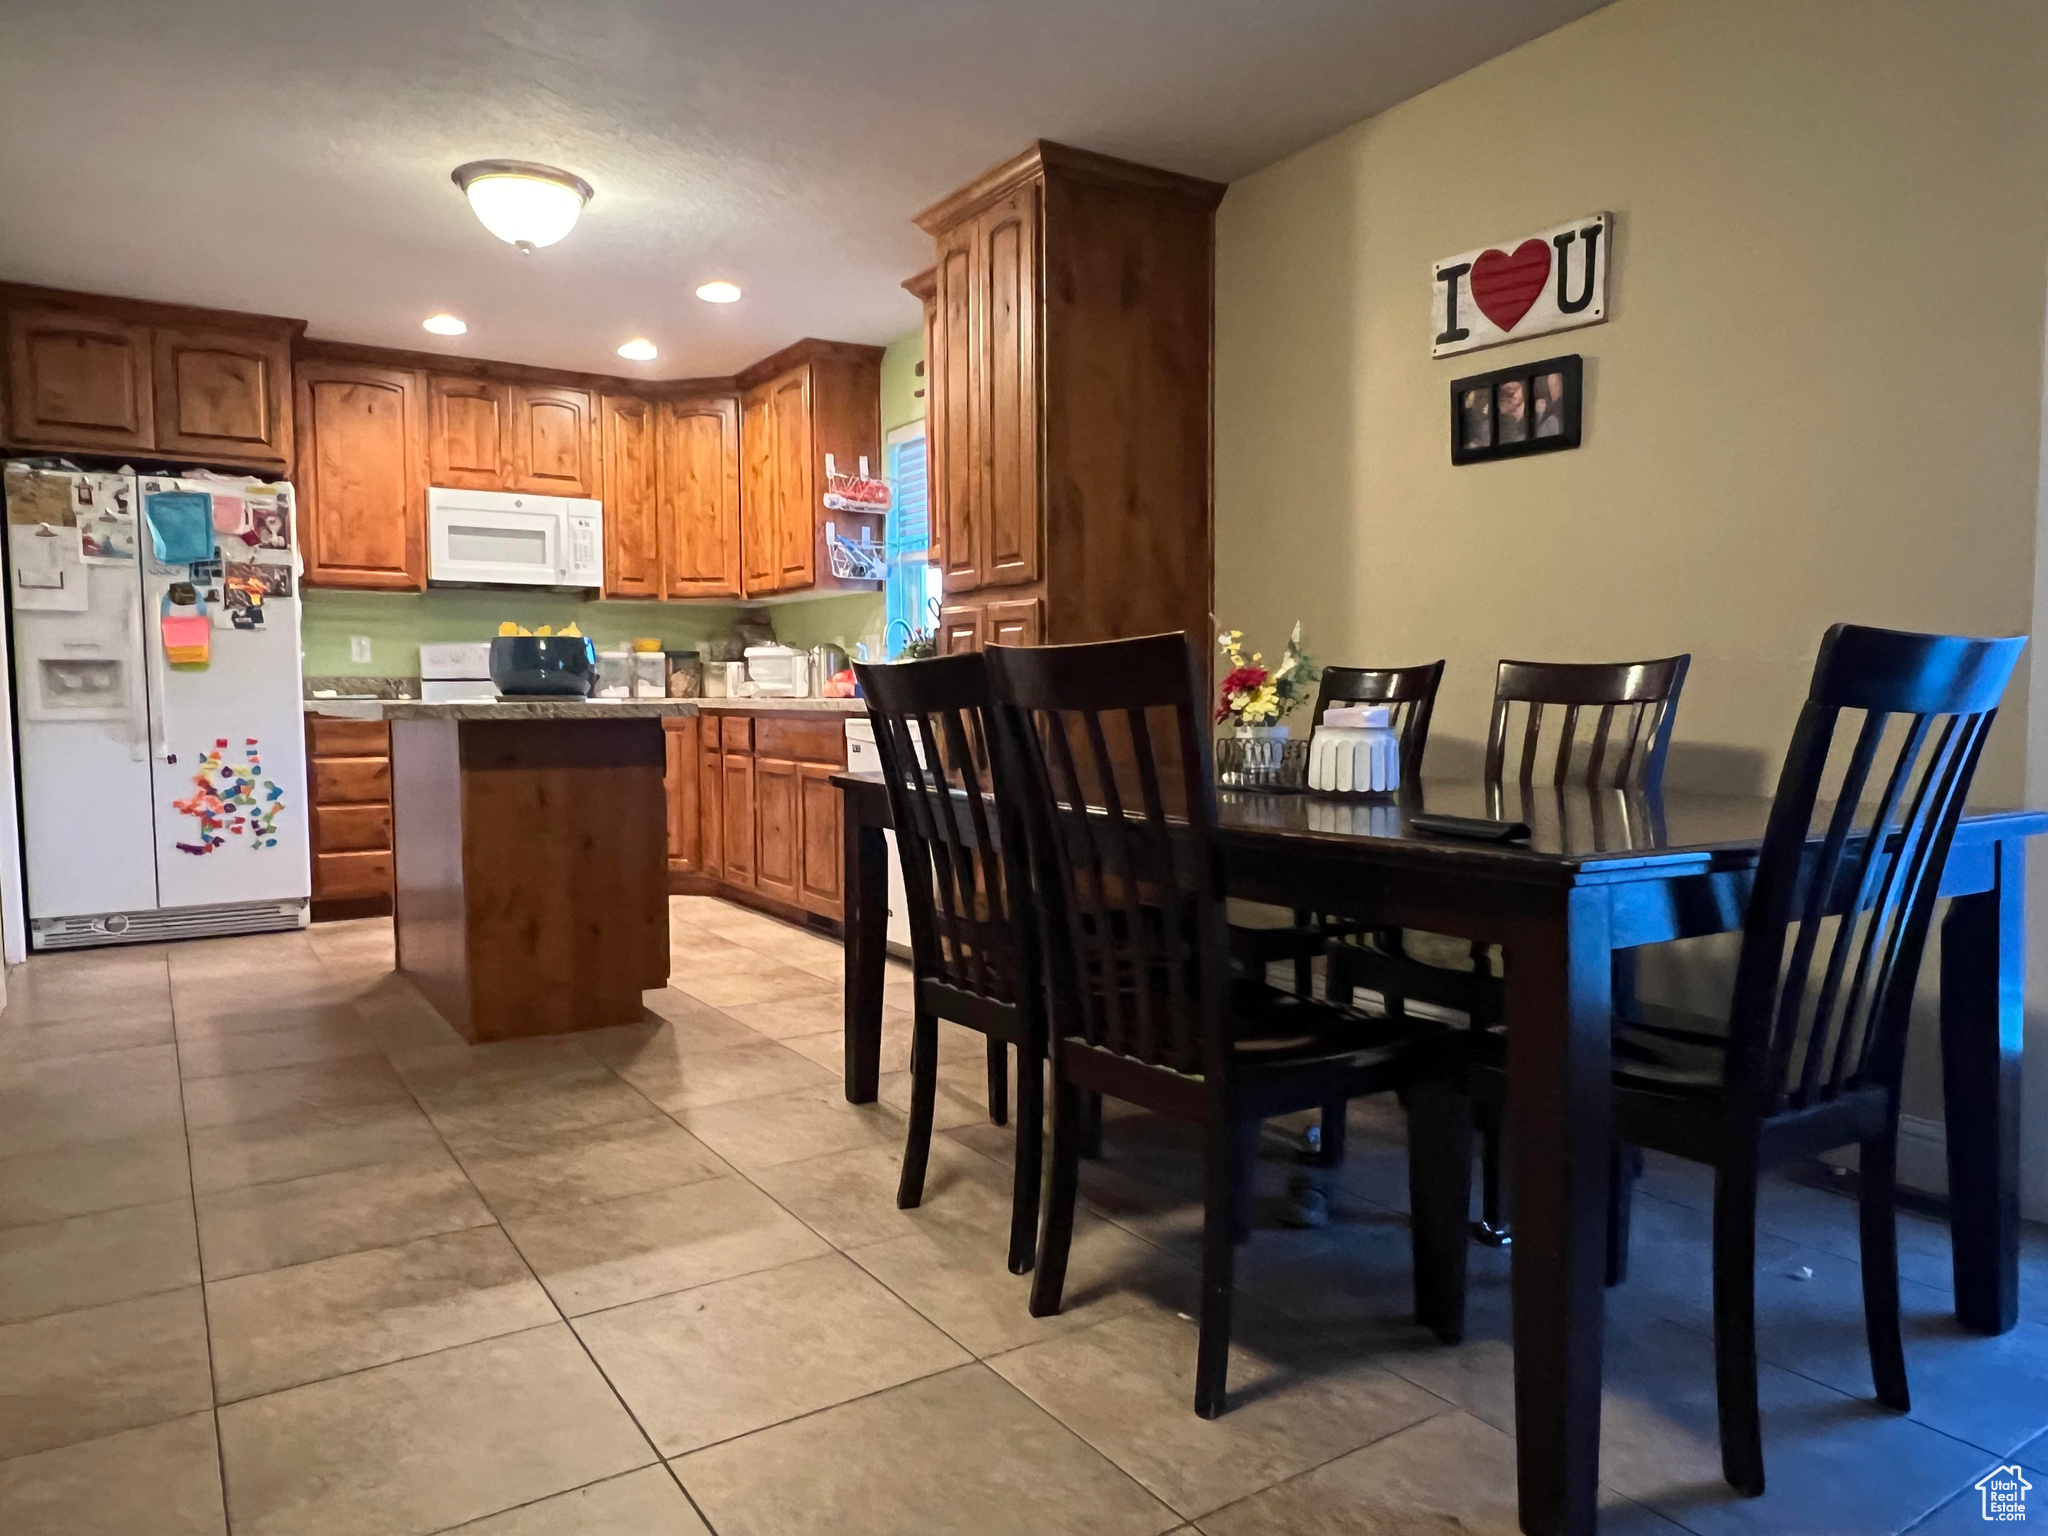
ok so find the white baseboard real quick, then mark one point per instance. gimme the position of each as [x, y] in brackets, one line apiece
[1923, 1156]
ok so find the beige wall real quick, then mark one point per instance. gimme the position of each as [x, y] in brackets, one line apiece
[1818, 397]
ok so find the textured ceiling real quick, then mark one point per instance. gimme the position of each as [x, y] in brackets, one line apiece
[293, 157]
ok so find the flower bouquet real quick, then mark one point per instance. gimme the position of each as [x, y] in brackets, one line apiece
[1257, 699]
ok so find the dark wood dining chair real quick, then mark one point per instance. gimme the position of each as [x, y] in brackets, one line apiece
[974, 941]
[1112, 755]
[1627, 710]
[1810, 1055]
[1410, 694]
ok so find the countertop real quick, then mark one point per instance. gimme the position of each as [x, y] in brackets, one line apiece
[573, 709]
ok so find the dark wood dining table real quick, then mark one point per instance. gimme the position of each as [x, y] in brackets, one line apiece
[1603, 870]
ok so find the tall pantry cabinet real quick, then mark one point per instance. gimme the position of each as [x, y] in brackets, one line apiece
[1068, 400]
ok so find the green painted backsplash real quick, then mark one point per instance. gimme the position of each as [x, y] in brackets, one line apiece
[398, 623]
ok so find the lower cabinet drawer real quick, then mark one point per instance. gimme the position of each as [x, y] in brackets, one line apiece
[340, 876]
[351, 828]
[347, 780]
[332, 737]
[806, 741]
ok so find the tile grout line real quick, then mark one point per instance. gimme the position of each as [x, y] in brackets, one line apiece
[562, 1318]
[220, 1450]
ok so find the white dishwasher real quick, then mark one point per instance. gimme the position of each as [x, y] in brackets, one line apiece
[863, 756]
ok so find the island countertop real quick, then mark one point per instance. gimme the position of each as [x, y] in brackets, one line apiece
[573, 709]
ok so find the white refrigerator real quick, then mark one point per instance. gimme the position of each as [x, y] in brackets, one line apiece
[158, 716]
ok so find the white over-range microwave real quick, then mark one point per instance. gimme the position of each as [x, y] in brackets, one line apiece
[507, 538]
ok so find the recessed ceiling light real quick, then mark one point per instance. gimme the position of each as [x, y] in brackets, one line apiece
[719, 293]
[444, 325]
[639, 349]
[523, 204]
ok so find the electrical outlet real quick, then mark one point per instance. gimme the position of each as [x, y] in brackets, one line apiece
[359, 649]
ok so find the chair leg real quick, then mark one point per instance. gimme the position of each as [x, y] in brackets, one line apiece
[1304, 966]
[924, 1088]
[1624, 1165]
[1339, 981]
[1880, 1252]
[998, 1082]
[1742, 1447]
[1245, 1163]
[1330, 1148]
[1091, 1125]
[1029, 1172]
[1056, 1227]
[1493, 1228]
[1219, 1240]
[1440, 1198]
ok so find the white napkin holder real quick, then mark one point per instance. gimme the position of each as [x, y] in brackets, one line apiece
[1355, 752]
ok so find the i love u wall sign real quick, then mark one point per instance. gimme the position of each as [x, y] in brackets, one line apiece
[1550, 281]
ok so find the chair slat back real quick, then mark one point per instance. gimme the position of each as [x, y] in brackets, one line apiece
[1112, 758]
[1628, 707]
[963, 869]
[1835, 932]
[1409, 691]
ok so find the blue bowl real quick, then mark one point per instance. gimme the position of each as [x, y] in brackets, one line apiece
[543, 666]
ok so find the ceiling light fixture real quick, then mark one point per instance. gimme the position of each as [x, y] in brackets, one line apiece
[719, 293]
[523, 204]
[444, 325]
[639, 349]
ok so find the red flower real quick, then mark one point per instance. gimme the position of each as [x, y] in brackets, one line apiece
[1241, 680]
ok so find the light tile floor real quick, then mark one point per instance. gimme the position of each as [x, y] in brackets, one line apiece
[279, 1254]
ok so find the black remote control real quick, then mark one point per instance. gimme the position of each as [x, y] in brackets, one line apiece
[1476, 827]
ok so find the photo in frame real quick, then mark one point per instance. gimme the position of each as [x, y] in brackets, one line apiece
[1532, 408]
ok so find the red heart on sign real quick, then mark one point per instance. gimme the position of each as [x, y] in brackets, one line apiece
[1504, 286]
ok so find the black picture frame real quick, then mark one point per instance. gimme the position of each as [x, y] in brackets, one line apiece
[1513, 412]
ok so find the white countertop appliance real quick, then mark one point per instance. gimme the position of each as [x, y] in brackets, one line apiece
[157, 706]
[778, 672]
[506, 538]
[457, 672]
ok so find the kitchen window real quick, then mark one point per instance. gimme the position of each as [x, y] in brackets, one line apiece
[914, 582]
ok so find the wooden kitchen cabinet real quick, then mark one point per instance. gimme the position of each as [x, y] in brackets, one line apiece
[107, 375]
[778, 828]
[549, 449]
[960, 629]
[78, 381]
[699, 496]
[736, 789]
[766, 812]
[680, 780]
[710, 801]
[1068, 382]
[468, 426]
[223, 394]
[1017, 622]
[820, 888]
[628, 430]
[349, 774]
[808, 401]
[360, 476]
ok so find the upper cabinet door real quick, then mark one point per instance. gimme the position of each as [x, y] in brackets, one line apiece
[1006, 403]
[795, 530]
[78, 381]
[551, 440]
[700, 497]
[223, 394]
[757, 494]
[632, 543]
[949, 416]
[468, 427]
[362, 505]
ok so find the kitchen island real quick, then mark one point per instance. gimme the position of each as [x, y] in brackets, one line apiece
[533, 843]
[529, 843]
